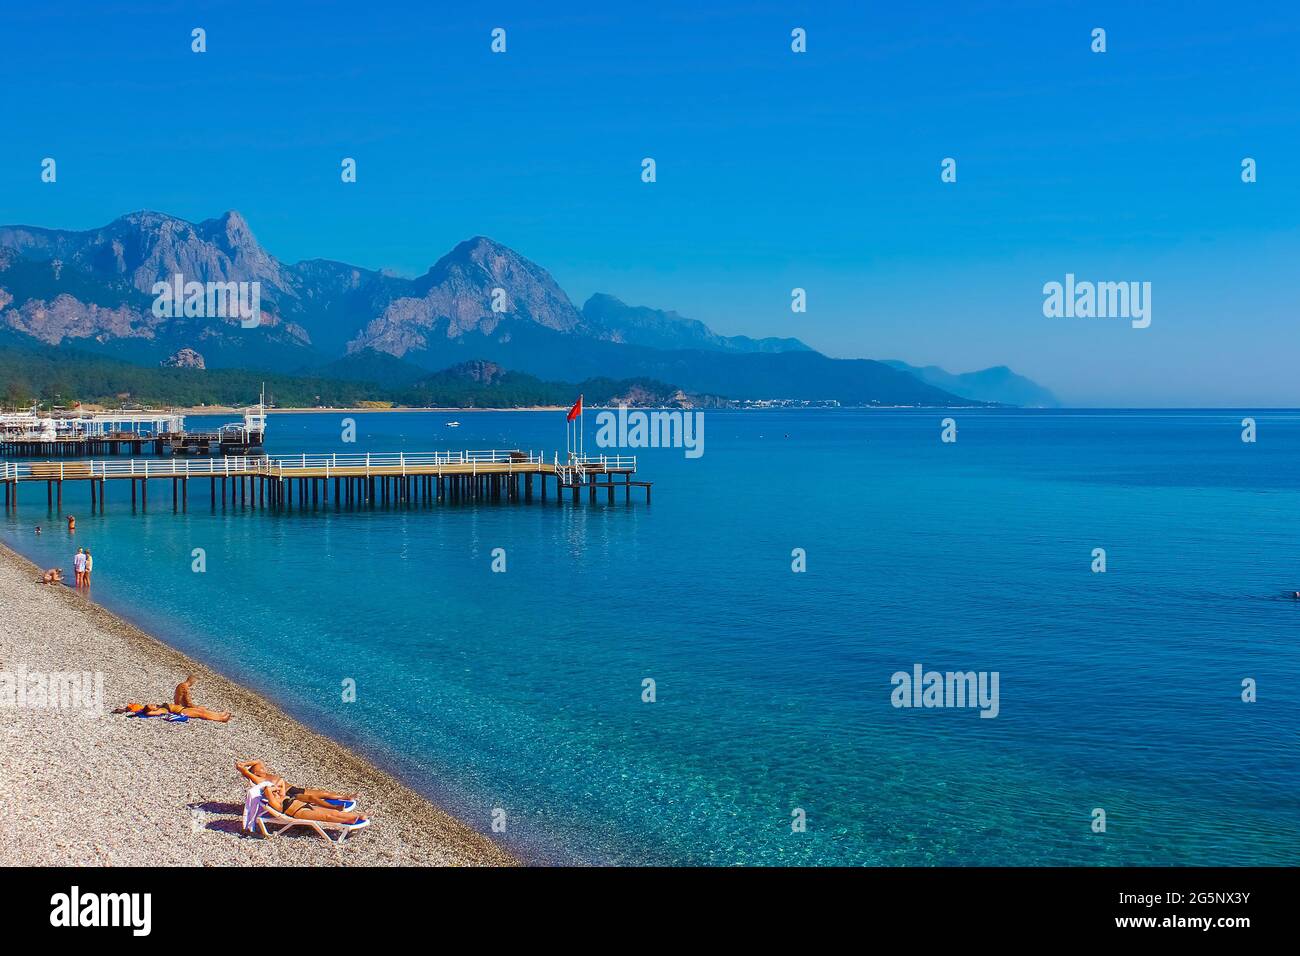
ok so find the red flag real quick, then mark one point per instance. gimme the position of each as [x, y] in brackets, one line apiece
[576, 410]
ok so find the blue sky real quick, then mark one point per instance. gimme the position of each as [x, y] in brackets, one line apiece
[775, 170]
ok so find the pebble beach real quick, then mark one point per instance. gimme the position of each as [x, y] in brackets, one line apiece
[107, 790]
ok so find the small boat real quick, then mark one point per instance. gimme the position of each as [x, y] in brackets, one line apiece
[452, 424]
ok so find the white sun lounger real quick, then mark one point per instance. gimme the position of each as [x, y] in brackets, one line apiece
[277, 819]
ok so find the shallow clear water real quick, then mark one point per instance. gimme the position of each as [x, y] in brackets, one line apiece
[522, 690]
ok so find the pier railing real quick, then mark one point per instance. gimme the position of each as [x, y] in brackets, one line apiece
[605, 463]
[285, 466]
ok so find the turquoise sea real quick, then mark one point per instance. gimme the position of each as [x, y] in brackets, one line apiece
[523, 690]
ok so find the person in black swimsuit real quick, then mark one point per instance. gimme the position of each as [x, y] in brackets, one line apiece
[257, 772]
[278, 797]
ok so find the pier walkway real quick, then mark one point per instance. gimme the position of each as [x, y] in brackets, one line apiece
[285, 480]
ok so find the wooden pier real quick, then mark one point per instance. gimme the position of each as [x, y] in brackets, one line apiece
[299, 481]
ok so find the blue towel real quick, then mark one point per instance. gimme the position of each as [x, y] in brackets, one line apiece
[170, 718]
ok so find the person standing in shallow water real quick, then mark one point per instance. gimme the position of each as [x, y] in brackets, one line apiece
[72, 523]
[79, 566]
[90, 563]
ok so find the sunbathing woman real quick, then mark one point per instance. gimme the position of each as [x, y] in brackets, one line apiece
[277, 796]
[160, 710]
[53, 576]
[257, 772]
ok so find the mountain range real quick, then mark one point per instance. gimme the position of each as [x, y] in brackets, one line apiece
[92, 290]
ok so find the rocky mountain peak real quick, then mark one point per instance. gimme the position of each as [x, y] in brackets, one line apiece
[473, 288]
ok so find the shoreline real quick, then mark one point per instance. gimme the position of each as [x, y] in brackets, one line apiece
[112, 790]
[226, 410]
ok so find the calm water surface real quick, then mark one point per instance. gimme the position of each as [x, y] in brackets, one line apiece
[522, 690]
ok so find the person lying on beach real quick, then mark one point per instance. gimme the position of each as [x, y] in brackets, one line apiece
[277, 795]
[257, 772]
[161, 710]
[53, 576]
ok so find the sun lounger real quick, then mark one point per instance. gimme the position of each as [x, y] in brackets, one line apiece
[269, 815]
